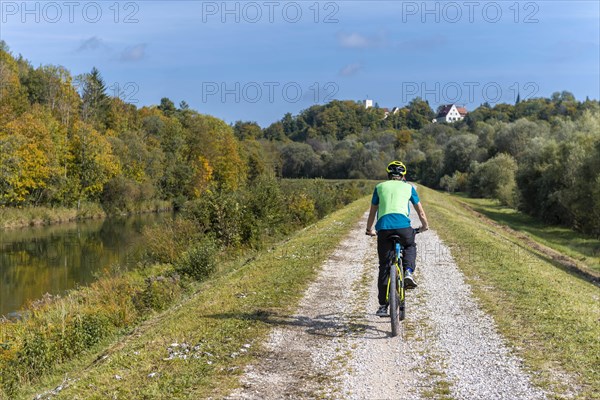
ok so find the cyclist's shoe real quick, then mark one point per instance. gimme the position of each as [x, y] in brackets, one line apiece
[382, 311]
[409, 281]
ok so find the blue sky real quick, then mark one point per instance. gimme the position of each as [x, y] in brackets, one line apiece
[258, 60]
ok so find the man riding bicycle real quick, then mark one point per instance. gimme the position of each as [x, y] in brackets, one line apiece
[391, 204]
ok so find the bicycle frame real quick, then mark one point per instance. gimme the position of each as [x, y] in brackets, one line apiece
[395, 293]
[397, 262]
[395, 289]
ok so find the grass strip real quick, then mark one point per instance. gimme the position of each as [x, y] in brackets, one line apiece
[20, 217]
[198, 349]
[550, 315]
[582, 248]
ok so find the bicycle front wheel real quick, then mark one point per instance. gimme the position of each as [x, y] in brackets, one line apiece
[394, 301]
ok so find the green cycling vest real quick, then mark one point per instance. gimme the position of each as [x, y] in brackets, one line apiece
[393, 198]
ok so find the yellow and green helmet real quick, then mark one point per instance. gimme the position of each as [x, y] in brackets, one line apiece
[396, 168]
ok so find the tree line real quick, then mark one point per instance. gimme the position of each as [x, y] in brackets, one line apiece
[64, 140]
[541, 155]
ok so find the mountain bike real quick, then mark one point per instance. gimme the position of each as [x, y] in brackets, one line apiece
[395, 290]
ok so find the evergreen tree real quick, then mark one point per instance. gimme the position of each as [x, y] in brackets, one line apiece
[94, 98]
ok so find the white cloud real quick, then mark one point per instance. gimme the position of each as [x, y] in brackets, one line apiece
[134, 53]
[93, 43]
[357, 41]
[350, 69]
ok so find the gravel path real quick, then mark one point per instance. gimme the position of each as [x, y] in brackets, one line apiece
[335, 347]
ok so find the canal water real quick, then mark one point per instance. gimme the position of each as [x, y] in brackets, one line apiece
[53, 259]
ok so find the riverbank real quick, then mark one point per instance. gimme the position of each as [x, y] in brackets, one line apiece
[14, 218]
[214, 238]
[191, 348]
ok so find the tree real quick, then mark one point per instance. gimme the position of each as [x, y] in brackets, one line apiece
[420, 114]
[167, 106]
[213, 153]
[93, 162]
[299, 160]
[495, 178]
[94, 98]
[13, 99]
[513, 138]
[34, 157]
[247, 130]
[460, 151]
[275, 131]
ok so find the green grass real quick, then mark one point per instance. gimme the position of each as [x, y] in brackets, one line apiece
[550, 315]
[227, 318]
[582, 248]
[19, 217]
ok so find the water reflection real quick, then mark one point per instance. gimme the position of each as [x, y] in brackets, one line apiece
[35, 261]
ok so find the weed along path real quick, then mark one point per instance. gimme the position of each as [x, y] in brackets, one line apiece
[335, 347]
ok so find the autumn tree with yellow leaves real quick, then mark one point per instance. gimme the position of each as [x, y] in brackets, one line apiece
[64, 140]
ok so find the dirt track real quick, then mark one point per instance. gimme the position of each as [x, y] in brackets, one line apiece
[335, 347]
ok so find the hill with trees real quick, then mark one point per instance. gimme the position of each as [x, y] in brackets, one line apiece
[541, 155]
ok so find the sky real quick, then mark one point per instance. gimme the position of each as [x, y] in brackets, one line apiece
[257, 60]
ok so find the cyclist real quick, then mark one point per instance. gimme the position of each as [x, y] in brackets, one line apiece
[391, 204]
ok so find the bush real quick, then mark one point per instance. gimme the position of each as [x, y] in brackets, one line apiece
[121, 194]
[36, 355]
[199, 261]
[160, 291]
[495, 178]
[265, 211]
[217, 213]
[302, 208]
[457, 182]
[165, 242]
[85, 330]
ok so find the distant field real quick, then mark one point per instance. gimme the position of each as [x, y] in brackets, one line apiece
[582, 248]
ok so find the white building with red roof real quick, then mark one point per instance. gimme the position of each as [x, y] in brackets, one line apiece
[450, 113]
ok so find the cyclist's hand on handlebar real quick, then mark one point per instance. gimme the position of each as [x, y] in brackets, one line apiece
[421, 229]
[371, 232]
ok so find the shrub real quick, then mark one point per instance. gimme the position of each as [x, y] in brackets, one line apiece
[199, 261]
[302, 208]
[165, 242]
[457, 182]
[495, 178]
[35, 355]
[122, 194]
[159, 292]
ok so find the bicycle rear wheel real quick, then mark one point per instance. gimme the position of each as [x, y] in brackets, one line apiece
[394, 301]
[401, 293]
